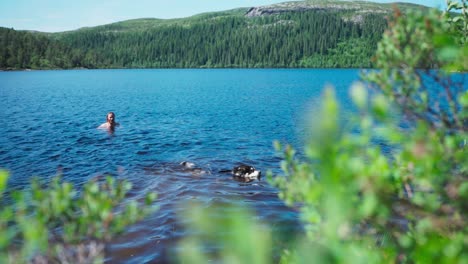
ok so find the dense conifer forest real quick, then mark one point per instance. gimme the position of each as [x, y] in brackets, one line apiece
[297, 38]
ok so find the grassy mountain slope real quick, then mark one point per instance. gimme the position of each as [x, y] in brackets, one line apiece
[292, 34]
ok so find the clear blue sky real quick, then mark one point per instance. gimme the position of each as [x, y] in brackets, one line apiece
[59, 15]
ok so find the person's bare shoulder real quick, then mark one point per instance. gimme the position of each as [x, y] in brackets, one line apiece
[102, 126]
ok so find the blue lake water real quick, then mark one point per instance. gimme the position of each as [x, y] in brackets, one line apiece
[214, 118]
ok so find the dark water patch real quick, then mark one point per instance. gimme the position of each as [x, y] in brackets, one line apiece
[142, 152]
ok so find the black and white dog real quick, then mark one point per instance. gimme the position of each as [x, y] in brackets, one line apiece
[246, 171]
[242, 171]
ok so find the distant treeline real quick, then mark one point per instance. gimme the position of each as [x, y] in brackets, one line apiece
[290, 39]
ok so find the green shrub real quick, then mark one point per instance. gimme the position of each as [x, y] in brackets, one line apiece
[57, 223]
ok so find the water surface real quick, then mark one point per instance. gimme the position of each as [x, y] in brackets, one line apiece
[214, 118]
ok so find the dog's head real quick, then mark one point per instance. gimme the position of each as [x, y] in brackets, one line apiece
[188, 165]
[246, 171]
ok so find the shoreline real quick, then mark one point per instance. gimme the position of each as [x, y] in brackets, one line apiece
[210, 68]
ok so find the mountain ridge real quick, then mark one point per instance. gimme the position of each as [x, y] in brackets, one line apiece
[321, 33]
[288, 6]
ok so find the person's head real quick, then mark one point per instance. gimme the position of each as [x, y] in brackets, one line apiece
[111, 118]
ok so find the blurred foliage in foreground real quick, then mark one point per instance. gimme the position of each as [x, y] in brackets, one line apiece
[359, 204]
[56, 223]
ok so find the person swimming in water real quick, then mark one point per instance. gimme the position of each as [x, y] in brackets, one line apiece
[110, 122]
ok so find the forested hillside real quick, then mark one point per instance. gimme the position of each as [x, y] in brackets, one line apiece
[295, 34]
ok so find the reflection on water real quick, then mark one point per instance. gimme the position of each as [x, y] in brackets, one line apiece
[216, 119]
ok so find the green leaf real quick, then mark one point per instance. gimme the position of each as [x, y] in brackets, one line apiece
[464, 99]
[359, 95]
[448, 53]
[463, 190]
[3, 181]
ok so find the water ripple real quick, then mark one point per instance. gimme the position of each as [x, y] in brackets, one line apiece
[214, 118]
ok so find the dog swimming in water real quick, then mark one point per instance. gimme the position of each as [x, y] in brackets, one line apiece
[244, 171]
[190, 166]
